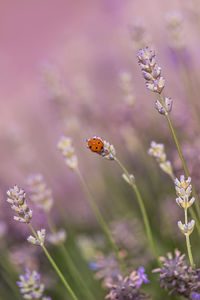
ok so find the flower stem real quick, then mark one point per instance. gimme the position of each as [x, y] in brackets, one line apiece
[188, 242]
[182, 160]
[55, 266]
[143, 211]
[72, 268]
[101, 221]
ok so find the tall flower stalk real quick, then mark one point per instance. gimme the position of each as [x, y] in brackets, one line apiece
[67, 149]
[108, 152]
[17, 200]
[156, 83]
[41, 195]
[38, 241]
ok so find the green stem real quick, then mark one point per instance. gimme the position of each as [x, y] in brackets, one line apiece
[182, 159]
[55, 266]
[143, 211]
[101, 221]
[188, 242]
[72, 268]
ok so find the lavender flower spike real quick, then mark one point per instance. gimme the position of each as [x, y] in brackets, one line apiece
[150, 70]
[30, 285]
[195, 296]
[126, 288]
[142, 277]
[17, 199]
[40, 194]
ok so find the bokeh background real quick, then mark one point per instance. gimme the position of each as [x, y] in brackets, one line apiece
[60, 67]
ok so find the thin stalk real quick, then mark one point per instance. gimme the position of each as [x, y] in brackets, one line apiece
[143, 211]
[64, 281]
[182, 158]
[72, 268]
[101, 221]
[188, 242]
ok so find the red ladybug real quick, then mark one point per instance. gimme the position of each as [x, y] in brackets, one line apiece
[95, 144]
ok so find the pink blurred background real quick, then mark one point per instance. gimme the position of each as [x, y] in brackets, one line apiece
[79, 38]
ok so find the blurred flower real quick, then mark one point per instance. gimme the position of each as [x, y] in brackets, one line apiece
[195, 296]
[128, 234]
[106, 267]
[89, 245]
[39, 192]
[39, 241]
[54, 84]
[158, 152]
[30, 285]
[174, 22]
[150, 70]
[66, 148]
[127, 288]
[130, 138]
[57, 237]
[24, 256]
[16, 197]
[142, 277]
[130, 179]
[176, 276]
[139, 35]
[127, 87]
[83, 89]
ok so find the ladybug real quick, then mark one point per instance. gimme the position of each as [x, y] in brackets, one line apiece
[95, 144]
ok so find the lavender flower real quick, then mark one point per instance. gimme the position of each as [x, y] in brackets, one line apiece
[158, 152]
[106, 267]
[176, 276]
[142, 277]
[195, 296]
[174, 22]
[30, 285]
[165, 108]
[66, 148]
[139, 35]
[127, 87]
[184, 192]
[39, 241]
[40, 194]
[58, 237]
[150, 70]
[16, 197]
[127, 288]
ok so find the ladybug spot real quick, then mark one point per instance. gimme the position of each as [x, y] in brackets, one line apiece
[90, 147]
[101, 147]
[94, 139]
[96, 147]
[98, 142]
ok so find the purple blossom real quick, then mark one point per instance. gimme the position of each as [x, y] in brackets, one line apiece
[142, 277]
[195, 296]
